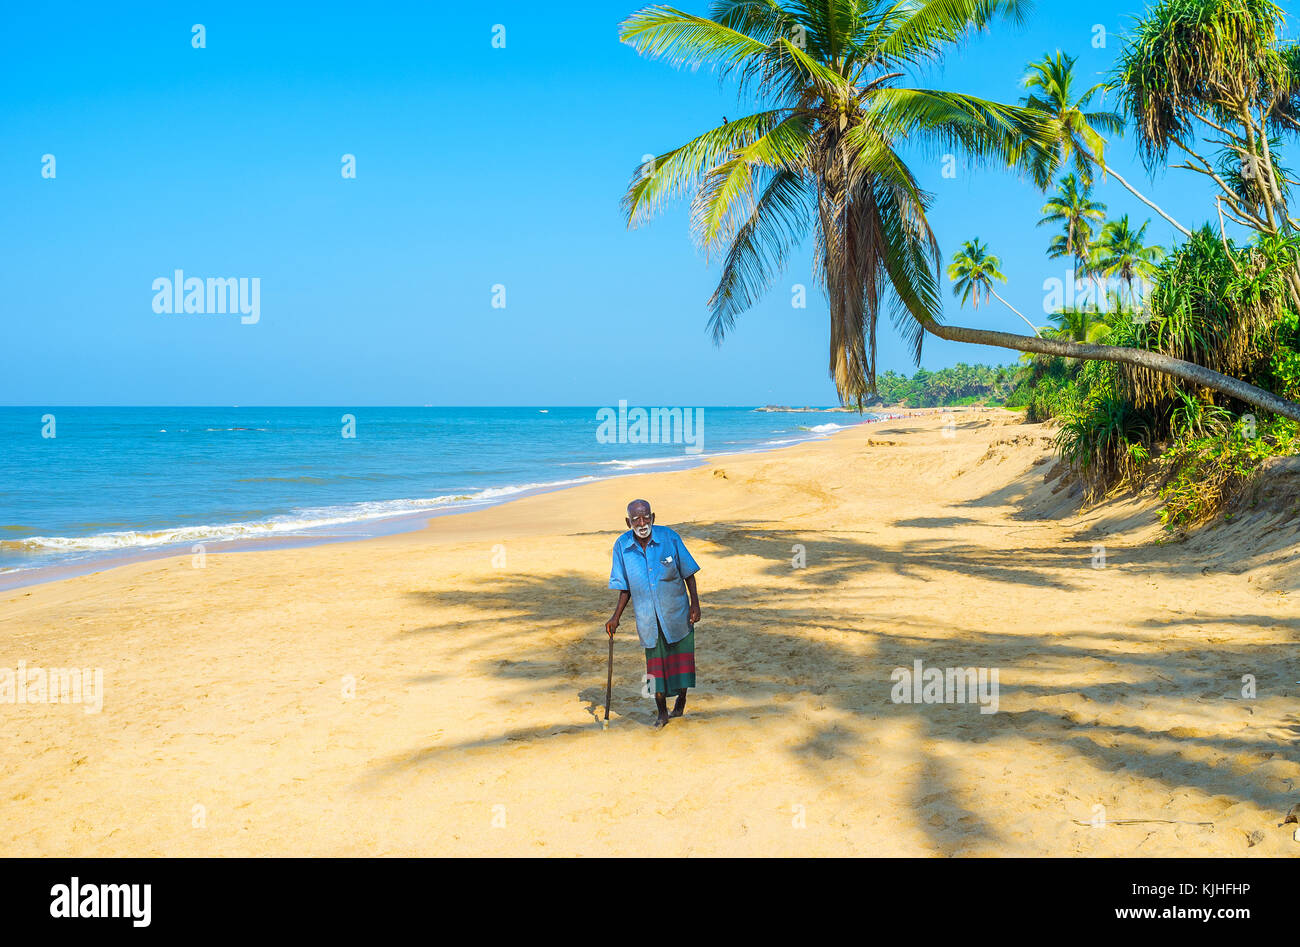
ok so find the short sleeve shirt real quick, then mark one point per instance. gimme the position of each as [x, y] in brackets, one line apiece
[655, 578]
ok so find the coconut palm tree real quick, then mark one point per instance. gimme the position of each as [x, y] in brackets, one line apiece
[821, 154]
[973, 270]
[1080, 143]
[1082, 257]
[1079, 325]
[1051, 81]
[1073, 208]
[1122, 252]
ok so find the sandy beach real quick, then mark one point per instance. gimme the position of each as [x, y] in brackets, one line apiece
[438, 692]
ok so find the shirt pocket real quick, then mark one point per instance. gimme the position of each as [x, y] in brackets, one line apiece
[668, 570]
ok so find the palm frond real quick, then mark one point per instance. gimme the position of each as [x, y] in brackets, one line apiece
[679, 171]
[760, 249]
[682, 39]
[923, 28]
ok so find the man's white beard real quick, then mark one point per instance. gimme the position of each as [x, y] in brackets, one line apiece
[641, 531]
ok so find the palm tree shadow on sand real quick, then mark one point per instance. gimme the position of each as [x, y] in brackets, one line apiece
[756, 650]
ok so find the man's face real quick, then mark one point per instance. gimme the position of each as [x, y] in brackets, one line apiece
[640, 519]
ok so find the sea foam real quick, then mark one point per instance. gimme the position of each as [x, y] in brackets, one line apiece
[299, 521]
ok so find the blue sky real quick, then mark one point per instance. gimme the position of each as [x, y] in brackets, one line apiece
[475, 166]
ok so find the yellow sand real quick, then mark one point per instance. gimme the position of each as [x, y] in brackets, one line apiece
[474, 726]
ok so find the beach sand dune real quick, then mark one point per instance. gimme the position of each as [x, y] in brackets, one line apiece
[439, 692]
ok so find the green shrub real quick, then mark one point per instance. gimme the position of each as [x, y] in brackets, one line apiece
[1106, 441]
[1283, 370]
[1203, 475]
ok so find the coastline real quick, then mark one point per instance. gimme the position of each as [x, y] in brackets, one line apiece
[371, 527]
[439, 692]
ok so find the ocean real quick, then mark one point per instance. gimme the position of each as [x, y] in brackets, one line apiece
[83, 487]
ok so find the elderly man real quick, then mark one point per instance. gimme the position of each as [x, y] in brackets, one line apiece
[654, 570]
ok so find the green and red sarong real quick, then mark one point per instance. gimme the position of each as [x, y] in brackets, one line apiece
[672, 666]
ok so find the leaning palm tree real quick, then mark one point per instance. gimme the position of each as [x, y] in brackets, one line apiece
[821, 154]
[1051, 81]
[1122, 252]
[973, 270]
[1080, 143]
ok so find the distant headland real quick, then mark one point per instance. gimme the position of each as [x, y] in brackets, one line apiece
[782, 407]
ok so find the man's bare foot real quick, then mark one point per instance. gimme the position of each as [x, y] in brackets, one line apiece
[679, 705]
[661, 720]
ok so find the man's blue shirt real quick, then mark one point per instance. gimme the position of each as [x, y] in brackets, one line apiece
[654, 577]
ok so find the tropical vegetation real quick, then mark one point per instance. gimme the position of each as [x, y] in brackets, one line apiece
[1186, 375]
[962, 384]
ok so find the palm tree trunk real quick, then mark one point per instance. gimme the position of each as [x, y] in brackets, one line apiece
[1013, 309]
[1107, 169]
[1187, 371]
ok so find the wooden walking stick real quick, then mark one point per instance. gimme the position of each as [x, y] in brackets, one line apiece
[609, 683]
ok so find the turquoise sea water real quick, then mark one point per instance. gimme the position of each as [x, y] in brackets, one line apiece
[112, 481]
